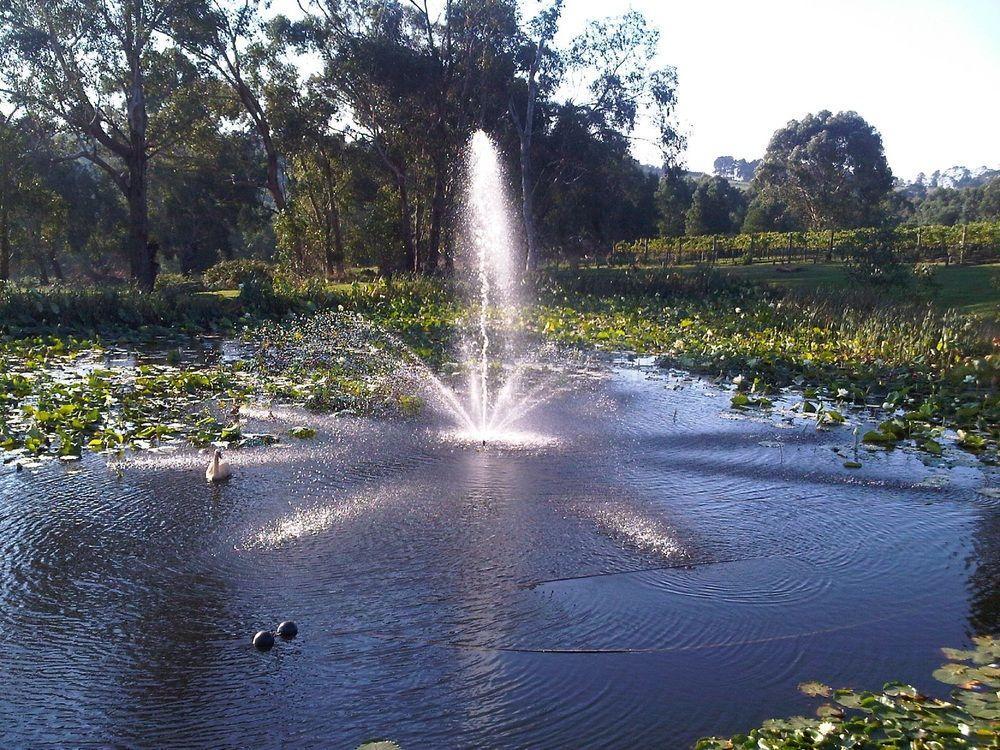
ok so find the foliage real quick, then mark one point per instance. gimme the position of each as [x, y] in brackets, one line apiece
[232, 274]
[716, 208]
[953, 205]
[829, 169]
[175, 287]
[936, 371]
[972, 243]
[57, 398]
[897, 716]
[673, 199]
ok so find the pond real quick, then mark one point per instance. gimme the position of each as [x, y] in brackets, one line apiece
[643, 568]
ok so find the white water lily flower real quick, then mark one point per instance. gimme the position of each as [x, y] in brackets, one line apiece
[826, 727]
[738, 380]
[738, 311]
[964, 729]
[841, 392]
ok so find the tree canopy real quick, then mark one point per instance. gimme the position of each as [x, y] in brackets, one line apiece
[829, 169]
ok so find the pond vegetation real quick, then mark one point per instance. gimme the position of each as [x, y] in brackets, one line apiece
[931, 374]
[898, 716]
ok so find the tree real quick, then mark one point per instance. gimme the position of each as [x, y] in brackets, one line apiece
[768, 213]
[735, 169]
[16, 180]
[716, 208]
[100, 68]
[673, 199]
[829, 169]
[244, 52]
[614, 57]
[597, 194]
[543, 28]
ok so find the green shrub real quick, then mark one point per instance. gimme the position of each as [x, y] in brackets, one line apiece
[234, 274]
[173, 286]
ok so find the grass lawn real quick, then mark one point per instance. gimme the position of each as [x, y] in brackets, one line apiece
[973, 290]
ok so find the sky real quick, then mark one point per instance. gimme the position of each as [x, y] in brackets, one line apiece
[925, 73]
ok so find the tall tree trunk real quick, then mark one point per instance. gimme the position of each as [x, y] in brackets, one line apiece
[437, 218]
[335, 261]
[43, 267]
[274, 186]
[525, 131]
[54, 262]
[5, 244]
[142, 255]
[409, 244]
[142, 258]
[528, 201]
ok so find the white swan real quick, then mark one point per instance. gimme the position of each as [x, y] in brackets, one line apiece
[218, 470]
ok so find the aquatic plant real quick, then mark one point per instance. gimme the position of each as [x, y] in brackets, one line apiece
[929, 370]
[58, 398]
[898, 716]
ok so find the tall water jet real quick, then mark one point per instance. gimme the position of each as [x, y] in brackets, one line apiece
[492, 346]
[491, 249]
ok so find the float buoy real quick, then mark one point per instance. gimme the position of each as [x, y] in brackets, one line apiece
[263, 640]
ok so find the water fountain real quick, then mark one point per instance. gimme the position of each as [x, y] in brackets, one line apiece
[493, 349]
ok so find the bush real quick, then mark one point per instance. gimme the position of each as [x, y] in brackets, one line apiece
[172, 287]
[879, 265]
[253, 278]
[236, 274]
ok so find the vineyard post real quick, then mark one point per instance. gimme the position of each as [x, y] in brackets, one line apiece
[918, 244]
[789, 255]
[715, 249]
[961, 249]
[680, 250]
[829, 250]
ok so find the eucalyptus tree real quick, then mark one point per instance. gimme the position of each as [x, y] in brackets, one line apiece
[105, 71]
[375, 78]
[614, 84]
[312, 227]
[471, 48]
[16, 179]
[243, 48]
[538, 79]
[206, 197]
[673, 198]
[410, 85]
[829, 169]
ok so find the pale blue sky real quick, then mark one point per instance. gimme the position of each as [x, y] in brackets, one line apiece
[925, 73]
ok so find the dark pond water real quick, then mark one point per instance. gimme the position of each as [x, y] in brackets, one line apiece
[654, 572]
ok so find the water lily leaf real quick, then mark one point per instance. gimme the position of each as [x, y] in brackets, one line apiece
[815, 689]
[302, 433]
[952, 674]
[877, 437]
[931, 446]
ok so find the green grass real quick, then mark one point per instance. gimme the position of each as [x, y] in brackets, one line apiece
[221, 294]
[973, 290]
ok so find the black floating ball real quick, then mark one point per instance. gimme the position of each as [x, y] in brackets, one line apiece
[288, 629]
[263, 641]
